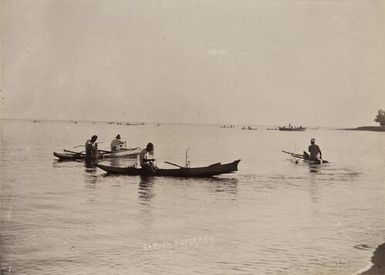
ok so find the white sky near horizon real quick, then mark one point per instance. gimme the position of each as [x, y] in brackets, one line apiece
[319, 62]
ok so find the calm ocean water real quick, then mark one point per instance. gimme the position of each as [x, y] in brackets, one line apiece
[271, 217]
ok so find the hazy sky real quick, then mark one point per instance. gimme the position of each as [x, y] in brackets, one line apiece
[318, 62]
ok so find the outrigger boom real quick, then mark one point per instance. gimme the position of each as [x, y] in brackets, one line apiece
[294, 154]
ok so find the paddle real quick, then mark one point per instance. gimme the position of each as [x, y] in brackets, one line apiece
[174, 164]
[82, 145]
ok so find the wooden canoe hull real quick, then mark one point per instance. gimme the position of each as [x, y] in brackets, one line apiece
[198, 172]
[81, 156]
[68, 156]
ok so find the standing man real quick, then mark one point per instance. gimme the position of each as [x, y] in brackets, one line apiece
[91, 148]
[314, 150]
[116, 144]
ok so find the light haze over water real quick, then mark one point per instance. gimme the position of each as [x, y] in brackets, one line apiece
[272, 216]
[310, 62]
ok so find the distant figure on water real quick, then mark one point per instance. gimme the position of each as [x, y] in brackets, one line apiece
[91, 148]
[314, 150]
[116, 144]
[146, 159]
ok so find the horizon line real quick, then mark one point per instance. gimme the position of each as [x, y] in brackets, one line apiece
[163, 122]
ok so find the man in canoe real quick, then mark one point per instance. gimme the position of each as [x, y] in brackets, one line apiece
[91, 148]
[146, 159]
[116, 144]
[315, 151]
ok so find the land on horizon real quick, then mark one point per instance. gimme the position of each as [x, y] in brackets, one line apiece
[368, 128]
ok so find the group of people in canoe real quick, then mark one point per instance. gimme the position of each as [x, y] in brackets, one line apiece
[91, 146]
[146, 156]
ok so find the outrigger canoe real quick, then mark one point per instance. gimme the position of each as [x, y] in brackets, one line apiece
[187, 172]
[305, 158]
[123, 153]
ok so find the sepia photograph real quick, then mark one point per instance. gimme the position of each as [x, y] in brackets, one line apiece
[192, 137]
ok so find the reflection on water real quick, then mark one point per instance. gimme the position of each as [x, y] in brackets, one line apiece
[145, 189]
[89, 164]
[90, 177]
[314, 168]
[67, 164]
[57, 164]
[227, 185]
[271, 217]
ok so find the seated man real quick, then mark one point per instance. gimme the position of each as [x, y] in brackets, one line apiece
[315, 151]
[146, 159]
[116, 144]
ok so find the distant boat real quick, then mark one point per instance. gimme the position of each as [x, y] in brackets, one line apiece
[249, 128]
[134, 123]
[291, 128]
[272, 129]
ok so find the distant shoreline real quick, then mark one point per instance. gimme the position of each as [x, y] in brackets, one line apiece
[367, 128]
[378, 261]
